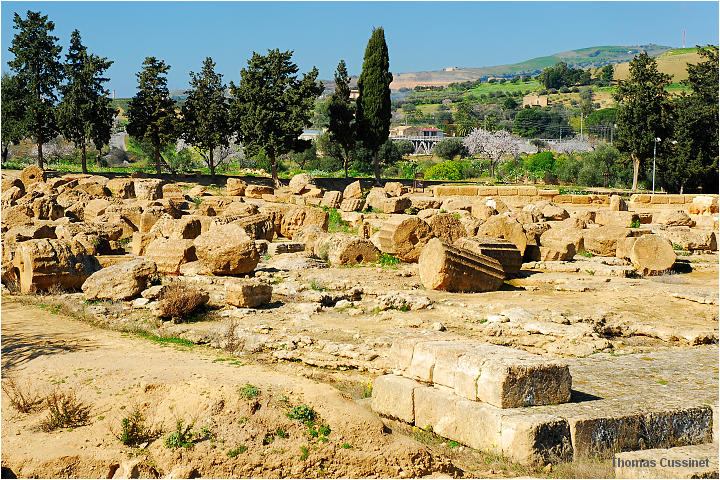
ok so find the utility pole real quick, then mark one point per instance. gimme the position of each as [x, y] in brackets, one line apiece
[581, 123]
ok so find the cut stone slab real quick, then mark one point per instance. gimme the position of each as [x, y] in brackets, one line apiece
[393, 396]
[640, 401]
[523, 436]
[500, 376]
[247, 293]
[603, 240]
[693, 461]
[447, 227]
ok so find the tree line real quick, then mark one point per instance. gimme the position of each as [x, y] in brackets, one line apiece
[266, 111]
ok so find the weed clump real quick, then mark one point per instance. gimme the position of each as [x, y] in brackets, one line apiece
[21, 399]
[249, 391]
[134, 431]
[183, 436]
[387, 260]
[66, 411]
[303, 413]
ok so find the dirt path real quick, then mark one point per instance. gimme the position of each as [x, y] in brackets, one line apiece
[115, 372]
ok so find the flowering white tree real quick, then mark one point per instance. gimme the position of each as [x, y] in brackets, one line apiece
[492, 146]
[574, 145]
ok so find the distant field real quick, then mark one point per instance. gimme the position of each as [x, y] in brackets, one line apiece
[506, 87]
[673, 62]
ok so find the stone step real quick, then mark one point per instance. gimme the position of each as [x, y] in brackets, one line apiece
[693, 461]
[501, 376]
[618, 404]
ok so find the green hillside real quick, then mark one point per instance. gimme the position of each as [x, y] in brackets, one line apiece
[591, 57]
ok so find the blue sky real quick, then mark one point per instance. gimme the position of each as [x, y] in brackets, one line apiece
[420, 35]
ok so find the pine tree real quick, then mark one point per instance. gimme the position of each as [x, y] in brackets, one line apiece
[373, 111]
[85, 113]
[39, 71]
[13, 111]
[206, 114]
[151, 112]
[644, 112]
[342, 115]
[272, 106]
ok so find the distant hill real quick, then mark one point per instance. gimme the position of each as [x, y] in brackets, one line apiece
[591, 57]
[673, 62]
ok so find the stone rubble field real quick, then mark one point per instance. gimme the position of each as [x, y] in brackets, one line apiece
[538, 327]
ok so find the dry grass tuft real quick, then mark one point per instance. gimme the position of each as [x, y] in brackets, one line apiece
[179, 301]
[66, 411]
[21, 397]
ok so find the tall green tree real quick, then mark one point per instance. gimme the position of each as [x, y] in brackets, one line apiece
[373, 112]
[85, 112]
[644, 112]
[606, 73]
[272, 105]
[206, 114]
[151, 112]
[13, 111]
[39, 71]
[342, 114]
[694, 160]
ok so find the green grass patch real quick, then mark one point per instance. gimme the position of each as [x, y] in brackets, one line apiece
[387, 260]
[168, 340]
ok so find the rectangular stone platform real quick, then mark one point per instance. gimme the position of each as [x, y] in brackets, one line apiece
[632, 402]
[480, 371]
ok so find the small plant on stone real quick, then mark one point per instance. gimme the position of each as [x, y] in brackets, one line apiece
[182, 436]
[305, 453]
[21, 398]
[346, 446]
[281, 433]
[316, 286]
[367, 389]
[635, 224]
[585, 253]
[66, 411]
[248, 392]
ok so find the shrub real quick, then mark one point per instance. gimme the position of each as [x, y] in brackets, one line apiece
[21, 399]
[133, 429]
[444, 171]
[450, 148]
[179, 301]
[303, 413]
[182, 436]
[540, 162]
[66, 411]
[567, 168]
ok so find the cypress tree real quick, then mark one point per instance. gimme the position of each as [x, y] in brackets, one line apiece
[342, 115]
[85, 113]
[373, 111]
[39, 71]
